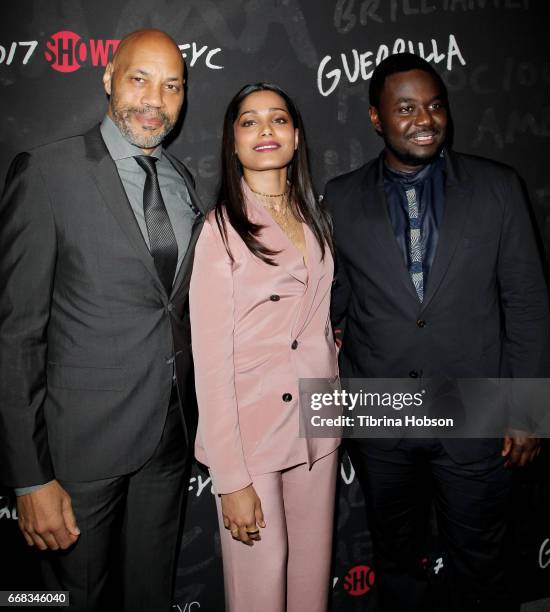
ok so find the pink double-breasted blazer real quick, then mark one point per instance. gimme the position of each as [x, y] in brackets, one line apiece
[256, 330]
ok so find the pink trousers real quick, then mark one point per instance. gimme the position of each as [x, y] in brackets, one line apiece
[289, 569]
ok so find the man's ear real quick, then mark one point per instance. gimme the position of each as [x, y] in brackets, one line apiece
[375, 119]
[107, 77]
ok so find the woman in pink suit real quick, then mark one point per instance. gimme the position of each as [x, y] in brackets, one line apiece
[259, 304]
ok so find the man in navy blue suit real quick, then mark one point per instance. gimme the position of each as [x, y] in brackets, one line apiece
[438, 275]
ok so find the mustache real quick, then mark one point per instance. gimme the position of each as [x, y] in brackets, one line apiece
[147, 110]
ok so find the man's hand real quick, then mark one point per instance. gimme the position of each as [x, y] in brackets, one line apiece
[46, 518]
[520, 447]
[242, 514]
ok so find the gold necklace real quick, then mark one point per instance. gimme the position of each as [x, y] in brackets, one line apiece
[284, 217]
[283, 209]
[268, 195]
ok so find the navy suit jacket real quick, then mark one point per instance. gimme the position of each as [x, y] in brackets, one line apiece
[485, 310]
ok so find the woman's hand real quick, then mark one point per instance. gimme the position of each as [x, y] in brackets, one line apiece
[242, 514]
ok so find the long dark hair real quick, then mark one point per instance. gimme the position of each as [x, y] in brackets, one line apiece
[302, 197]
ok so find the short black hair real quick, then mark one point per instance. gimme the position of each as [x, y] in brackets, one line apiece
[401, 62]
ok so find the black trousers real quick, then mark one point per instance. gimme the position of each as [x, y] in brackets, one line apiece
[126, 554]
[472, 509]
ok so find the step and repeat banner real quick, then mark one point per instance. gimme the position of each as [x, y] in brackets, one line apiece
[494, 58]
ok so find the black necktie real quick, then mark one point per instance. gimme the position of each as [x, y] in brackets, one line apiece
[162, 239]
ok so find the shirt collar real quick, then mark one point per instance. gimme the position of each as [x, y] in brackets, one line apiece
[118, 146]
[415, 177]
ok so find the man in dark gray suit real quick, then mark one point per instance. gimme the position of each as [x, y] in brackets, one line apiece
[438, 275]
[97, 235]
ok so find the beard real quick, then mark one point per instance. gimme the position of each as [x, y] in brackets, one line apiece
[409, 158]
[139, 137]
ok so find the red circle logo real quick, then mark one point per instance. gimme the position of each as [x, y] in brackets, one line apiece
[359, 580]
[65, 51]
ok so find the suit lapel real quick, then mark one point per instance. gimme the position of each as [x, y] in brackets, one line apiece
[181, 282]
[316, 270]
[289, 257]
[184, 273]
[379, 228]
[107, 180]
[196, 203]
[457, 205]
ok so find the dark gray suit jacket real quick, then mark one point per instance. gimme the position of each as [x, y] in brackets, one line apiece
[485, 312]
[88, 334]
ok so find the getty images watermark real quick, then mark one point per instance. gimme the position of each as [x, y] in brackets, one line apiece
[368, 400]
[437, 407]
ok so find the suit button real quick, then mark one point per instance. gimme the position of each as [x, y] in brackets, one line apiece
[274, 297]
[421, 323]
[287, 397]
[170, 307]
[294, 345]
[413, 374]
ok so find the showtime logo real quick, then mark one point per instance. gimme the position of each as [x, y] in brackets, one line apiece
[359, 580]
[67, 51]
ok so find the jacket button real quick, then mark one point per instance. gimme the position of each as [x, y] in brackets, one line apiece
[421, 323]
[287, 397]
[413, 374]
[170, 307]
[294, 345]
[274, 297]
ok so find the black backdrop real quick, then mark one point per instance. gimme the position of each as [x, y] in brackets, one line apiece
[493, 55]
